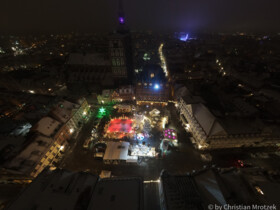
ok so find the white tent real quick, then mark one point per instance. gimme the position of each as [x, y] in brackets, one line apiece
[116, 151]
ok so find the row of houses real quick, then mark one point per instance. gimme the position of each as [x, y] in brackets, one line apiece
[51, 135]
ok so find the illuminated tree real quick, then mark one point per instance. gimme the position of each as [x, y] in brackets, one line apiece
[147, 126]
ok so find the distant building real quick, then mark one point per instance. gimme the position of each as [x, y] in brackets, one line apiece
[152, 87]
[30, 82]
[105, 97]
[88, 69]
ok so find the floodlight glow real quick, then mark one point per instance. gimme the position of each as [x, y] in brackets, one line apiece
[156, 86]
[184, 37]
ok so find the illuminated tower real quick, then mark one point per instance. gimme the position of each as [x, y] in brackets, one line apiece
[120, 49]
[121, 13]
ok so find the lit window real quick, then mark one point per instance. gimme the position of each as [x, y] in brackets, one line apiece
[152, 75]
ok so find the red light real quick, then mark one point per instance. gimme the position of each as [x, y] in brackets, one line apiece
[120, 126]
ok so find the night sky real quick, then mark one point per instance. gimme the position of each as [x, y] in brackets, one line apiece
[100, 15]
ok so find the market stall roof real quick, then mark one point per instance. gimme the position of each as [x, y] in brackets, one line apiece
[116, 151]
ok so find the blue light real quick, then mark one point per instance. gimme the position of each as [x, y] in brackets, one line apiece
[156, 86]
[184, 37]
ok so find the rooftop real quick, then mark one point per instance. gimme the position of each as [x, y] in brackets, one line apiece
[180, 192]
[63, 110]
[47, 126]
[118, 193]
[59, 189]
[116, 151]
[26, 160]
[88, 59]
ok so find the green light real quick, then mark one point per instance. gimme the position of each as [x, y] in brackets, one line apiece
[102, 110]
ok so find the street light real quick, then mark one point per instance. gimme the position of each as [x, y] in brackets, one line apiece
[156, 86]
[71, 130]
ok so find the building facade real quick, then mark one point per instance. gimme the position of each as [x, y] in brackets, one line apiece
[211, 132]
[152, 87]
[124, 93]
[45, 148]
[71, 114]
[120, 49]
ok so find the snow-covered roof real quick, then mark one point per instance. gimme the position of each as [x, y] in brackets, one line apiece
[26, 159]
[63, 111]
[116, 151]
[59, 189]
[208, 185]
[47, 126]
[207, 120]
[88, 59]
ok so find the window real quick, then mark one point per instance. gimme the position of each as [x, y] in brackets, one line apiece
[118, 62]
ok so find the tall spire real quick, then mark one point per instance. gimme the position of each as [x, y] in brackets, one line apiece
[121, 17]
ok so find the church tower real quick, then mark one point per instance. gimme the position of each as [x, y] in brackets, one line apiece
[120, 49]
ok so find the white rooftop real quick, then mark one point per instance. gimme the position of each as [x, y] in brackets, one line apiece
[63, 111]
[207, 120]
[116, 151]
[47, 126]
[27, 158]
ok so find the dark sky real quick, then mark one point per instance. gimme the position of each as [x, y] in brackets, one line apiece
[94, 15]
